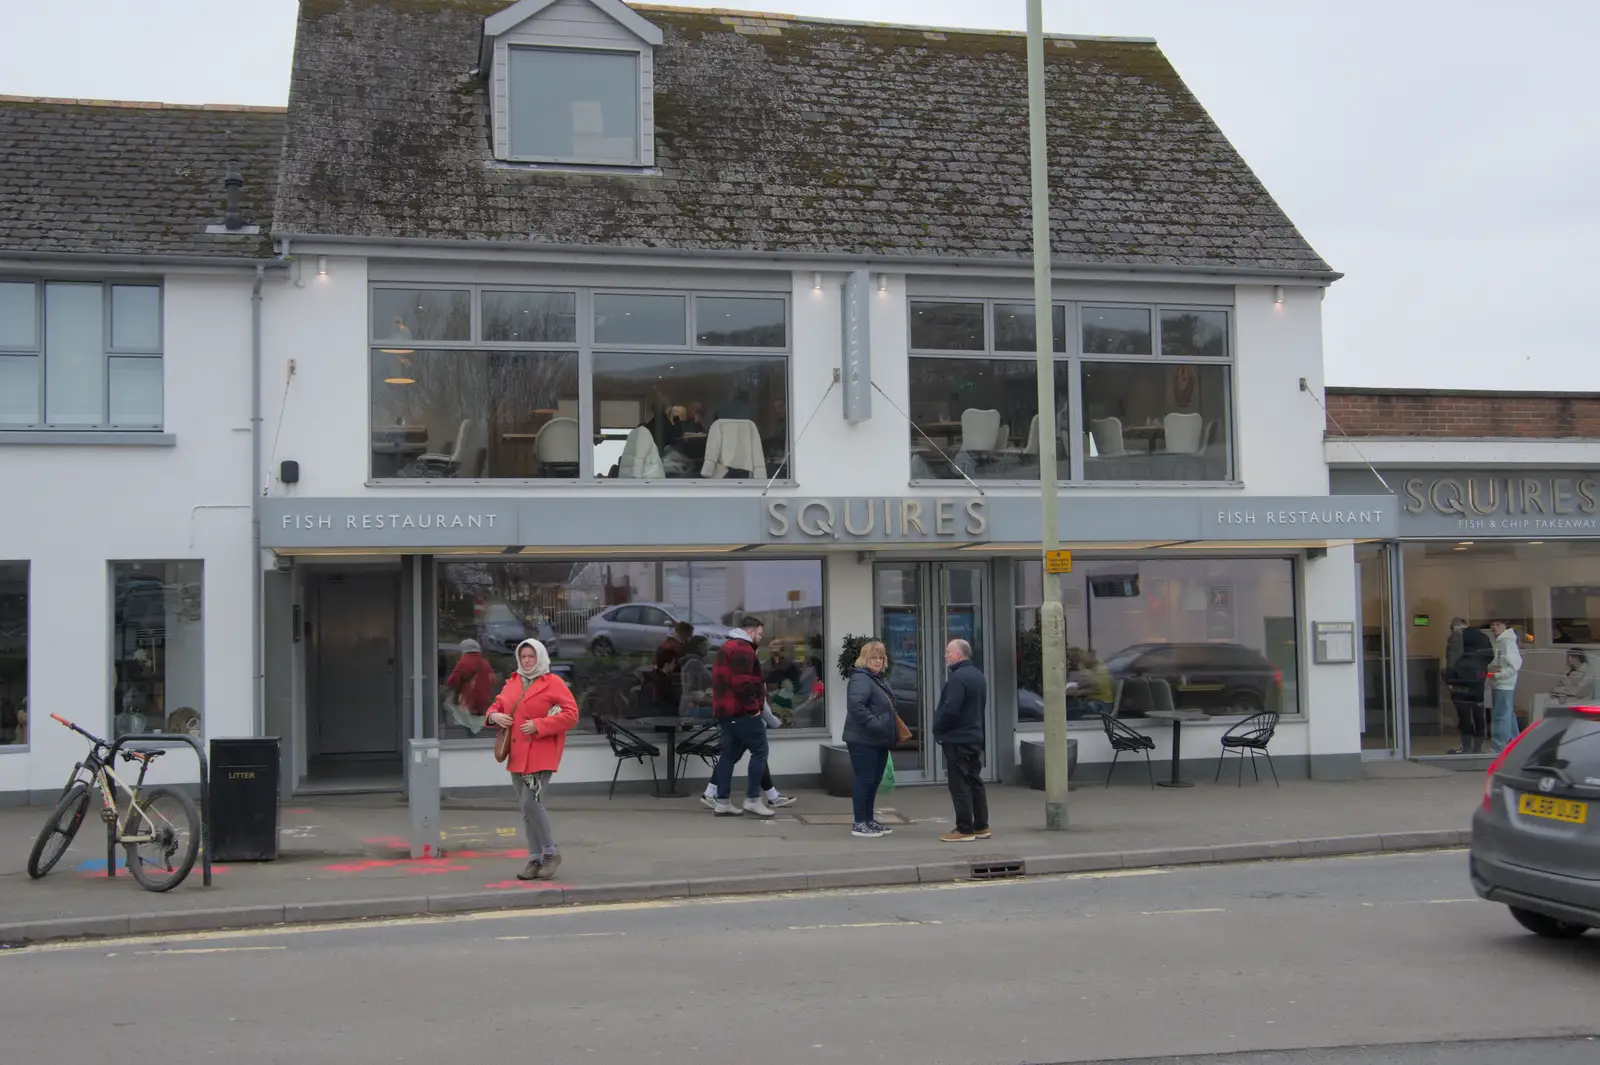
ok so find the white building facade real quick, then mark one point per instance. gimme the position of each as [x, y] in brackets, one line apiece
[731, 329]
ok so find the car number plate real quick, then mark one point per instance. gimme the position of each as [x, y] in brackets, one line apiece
[1575, 813]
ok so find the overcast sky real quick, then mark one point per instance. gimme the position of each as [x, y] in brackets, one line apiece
[1441, 153]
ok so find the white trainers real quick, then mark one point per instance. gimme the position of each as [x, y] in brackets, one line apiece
[725, 809]
[781, 801]
[708, 801]
[757, 807]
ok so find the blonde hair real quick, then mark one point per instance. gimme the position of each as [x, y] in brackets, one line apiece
[870, 648]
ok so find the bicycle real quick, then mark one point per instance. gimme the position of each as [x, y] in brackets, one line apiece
[162, 850]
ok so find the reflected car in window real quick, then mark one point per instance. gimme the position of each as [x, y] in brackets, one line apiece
[639, 628]
[1219, 678]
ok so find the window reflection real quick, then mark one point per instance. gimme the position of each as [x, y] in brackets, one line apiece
[946, 326]
[1013, 327]
[608, 625]
[1155, 422]
[740, 322]
[474, 414]
[1217, 635]
[1194, 334]
[977, 416]
[158, 651]
[530, 317]
[13, 653]
[679, 415]
[407, 315]
[1116, 331]
[635, 318]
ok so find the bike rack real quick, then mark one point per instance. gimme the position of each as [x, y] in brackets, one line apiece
[205, 797]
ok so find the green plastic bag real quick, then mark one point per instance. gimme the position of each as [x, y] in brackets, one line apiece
[887, 784]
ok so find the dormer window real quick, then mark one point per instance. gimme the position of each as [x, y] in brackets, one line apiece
[571, 83]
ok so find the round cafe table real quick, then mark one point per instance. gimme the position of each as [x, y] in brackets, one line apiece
[670, 724]
[1177, 717]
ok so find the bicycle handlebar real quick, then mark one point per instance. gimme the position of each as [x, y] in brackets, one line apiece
[81, 731]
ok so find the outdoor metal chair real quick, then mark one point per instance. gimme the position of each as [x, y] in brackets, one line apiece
[625, 745]
[1126, 739]
[1252, 734]
[704, 744]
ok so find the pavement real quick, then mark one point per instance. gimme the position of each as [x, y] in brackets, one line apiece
[346, 857]
[1383, 959]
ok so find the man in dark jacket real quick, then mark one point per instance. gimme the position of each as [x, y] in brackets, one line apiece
[737, 699]
[958, 729]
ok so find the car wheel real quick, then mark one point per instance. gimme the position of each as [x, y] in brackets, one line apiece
[1543, 925]
[1246, 701]
[601, 648]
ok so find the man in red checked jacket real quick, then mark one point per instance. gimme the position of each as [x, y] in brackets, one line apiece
[737, 698]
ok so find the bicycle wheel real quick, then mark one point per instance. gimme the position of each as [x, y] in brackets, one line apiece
[56, 836]
[168, 817]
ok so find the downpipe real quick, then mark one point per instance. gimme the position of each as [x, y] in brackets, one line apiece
[258, 673]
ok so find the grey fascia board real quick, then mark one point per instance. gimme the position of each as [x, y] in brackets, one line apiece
[138, 259]
[85, 438]
[837, 261]
[511, 17]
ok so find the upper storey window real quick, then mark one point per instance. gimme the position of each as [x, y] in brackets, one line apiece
[572, 83]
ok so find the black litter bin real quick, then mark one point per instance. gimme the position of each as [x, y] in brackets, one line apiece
[244, 799]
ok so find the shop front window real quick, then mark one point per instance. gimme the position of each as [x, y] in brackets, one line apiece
[158, 648]
[1215, 635]
[1546, 592]
[610, 628]
[13, 653]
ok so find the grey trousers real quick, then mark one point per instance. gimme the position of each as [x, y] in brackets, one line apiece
[535, 818]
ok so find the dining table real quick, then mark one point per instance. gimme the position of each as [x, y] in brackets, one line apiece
[1177, 717]
[670, 724]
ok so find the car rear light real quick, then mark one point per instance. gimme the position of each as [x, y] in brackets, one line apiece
[1494, 766]
[1587, 711]
[1277, 678]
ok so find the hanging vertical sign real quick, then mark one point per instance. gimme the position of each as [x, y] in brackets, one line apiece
[855, 369]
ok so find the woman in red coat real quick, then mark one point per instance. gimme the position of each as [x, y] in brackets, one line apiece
[538, 708]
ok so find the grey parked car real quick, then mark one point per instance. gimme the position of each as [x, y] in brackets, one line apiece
[1536, 836]
[639, 628]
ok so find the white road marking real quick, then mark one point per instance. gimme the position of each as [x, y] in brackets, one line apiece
[1158, 913]
[207, 950]
[559, 935]
[859, 924]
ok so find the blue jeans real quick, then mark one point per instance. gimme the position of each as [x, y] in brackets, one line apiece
[868, 762]
[1503, 725]
[741, 734]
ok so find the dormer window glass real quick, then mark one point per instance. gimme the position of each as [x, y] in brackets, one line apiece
[574, 105]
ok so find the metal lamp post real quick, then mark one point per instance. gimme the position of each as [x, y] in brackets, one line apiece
[1052, 617]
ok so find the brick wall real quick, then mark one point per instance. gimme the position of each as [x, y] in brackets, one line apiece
[1415, 413]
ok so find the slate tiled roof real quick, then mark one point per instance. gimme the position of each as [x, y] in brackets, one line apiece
[779, 134]
[102, 177]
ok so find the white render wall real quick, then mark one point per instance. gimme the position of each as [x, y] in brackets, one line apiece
[87, 506]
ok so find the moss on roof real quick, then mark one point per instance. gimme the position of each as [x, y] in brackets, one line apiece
[779, 134]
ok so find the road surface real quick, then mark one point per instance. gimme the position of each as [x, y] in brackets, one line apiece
[1202, 960]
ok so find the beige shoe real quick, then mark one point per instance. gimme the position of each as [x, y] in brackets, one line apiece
[957, 836]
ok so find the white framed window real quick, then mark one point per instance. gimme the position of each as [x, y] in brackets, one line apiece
[78, 355]
[573, 105]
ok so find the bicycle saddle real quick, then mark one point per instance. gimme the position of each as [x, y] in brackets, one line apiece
[143, 754]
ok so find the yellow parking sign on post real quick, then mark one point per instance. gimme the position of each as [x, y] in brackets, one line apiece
[1058, 561]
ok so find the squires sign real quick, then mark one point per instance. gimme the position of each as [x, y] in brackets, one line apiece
[1501, 497]
[875, 519]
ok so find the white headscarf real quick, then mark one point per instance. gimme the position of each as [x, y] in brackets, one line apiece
[541, 664]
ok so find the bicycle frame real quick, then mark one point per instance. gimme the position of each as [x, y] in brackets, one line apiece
[107, 781]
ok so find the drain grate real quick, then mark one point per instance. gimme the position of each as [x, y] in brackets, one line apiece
[996, 870]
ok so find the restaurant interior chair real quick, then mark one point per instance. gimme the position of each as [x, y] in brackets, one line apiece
[980, 431]
[1126, 740]
[1250, 735]
[445, 464]
[626, 745]
[556, 447]
[1184, 433]
[704, 743]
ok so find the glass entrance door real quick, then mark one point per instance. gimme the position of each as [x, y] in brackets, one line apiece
[1380, 732]
[919, 608]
